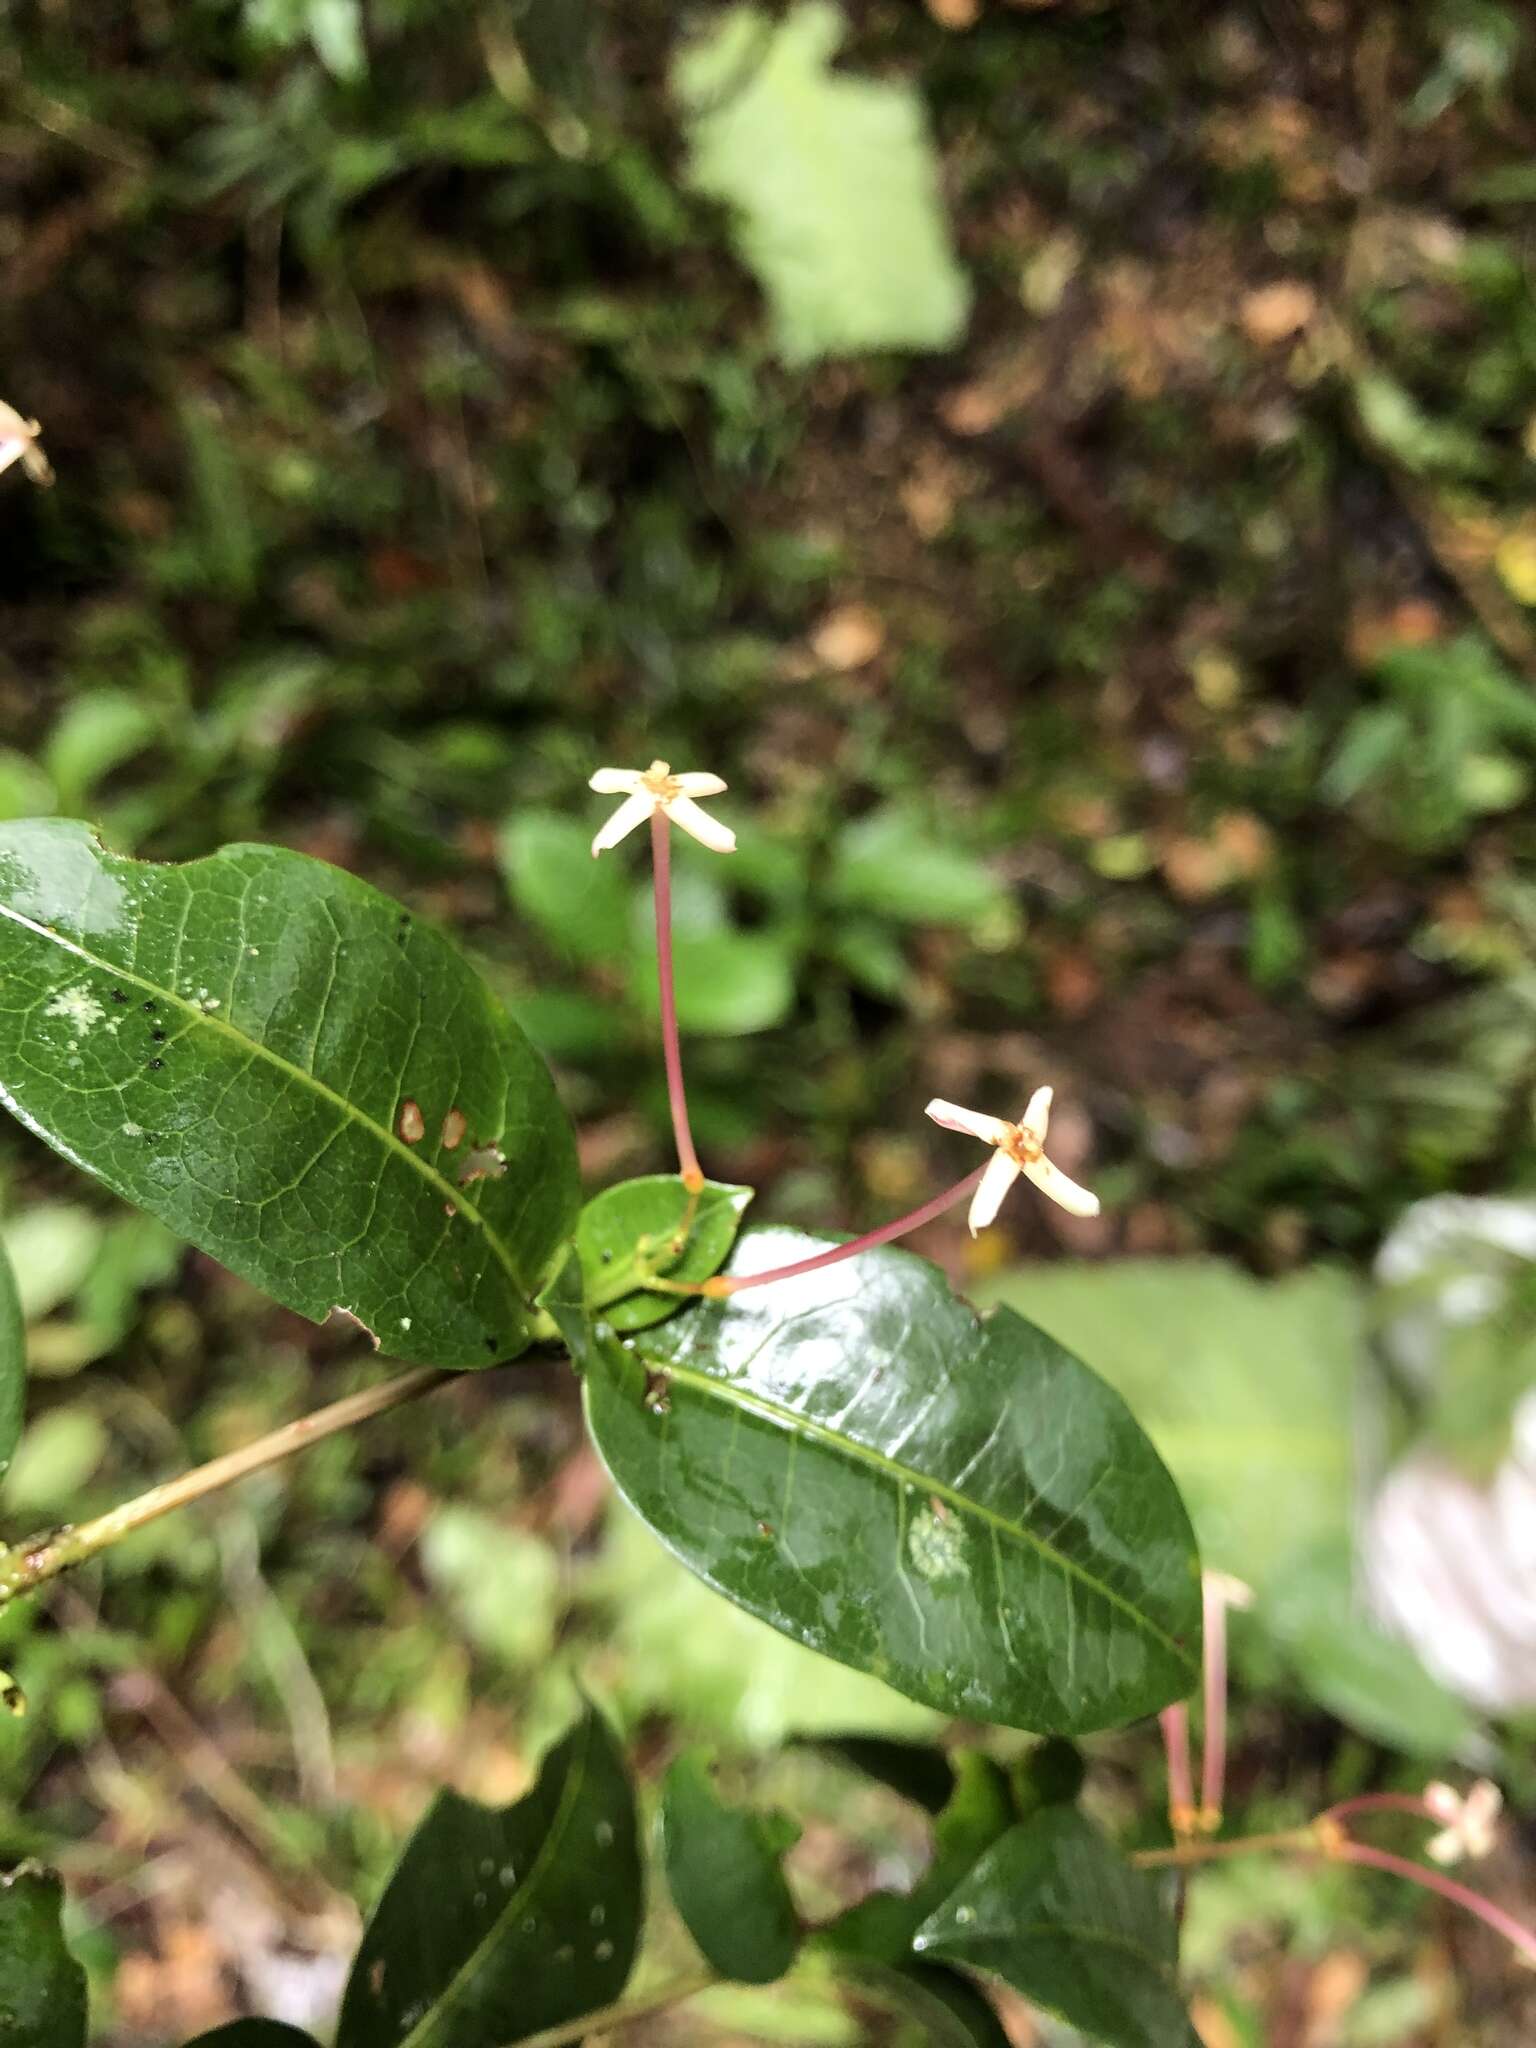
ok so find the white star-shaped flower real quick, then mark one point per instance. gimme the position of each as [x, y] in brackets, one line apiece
[1020, 1149]
[19, 443]
[1471, 1823]
[648, 790]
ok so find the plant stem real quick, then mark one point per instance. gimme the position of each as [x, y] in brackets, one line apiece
[612, 2016]
[1519, 1937]
[28, 1565]
[1382, 1802]
[672, 1052]
[728, 1283]
[1174, 1722]
[1213, 1741]
[1183, 1853]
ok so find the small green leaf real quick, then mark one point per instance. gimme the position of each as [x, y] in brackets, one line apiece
[294, 1074]
[13, 1365]
[255, 2034]
[956, 1506]
[948, 2007]
[1056, 1911]
[628, 1233]
[834, 181]
[980, 1809]
[42, 1987]
[497, 1924]
[581, 905]
[890, 864]
[724, 1868]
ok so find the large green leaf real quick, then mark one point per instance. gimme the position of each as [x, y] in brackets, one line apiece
[268, 1055]
[628, 1233]
[581, 904]
[888, 863]
[726, 1875]
[13, 1365]
[1057, 1912]
[42, 1987]
[833, 182]
[957, 1506]
[497, 1924]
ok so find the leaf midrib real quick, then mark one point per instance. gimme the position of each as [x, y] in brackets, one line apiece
[206, 1021]
[805, 1425]
[426, 2028]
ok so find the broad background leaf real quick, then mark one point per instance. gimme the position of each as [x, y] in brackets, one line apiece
[300, 1011]
[725, 1872]
[13, 1366]
[1057, 1912]
[496, 1924]
[42, 1987]
[833, 183]
[958, 1507]
[1249, 1389]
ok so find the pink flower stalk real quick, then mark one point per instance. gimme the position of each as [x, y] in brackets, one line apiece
[1520, 1938]
[1219, 1592]
[727, 1283]
[1174, 1722]
[671, 1044]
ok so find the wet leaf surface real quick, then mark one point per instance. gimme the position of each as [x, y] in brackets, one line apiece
[630, 1230]
[496, 1924]
[1058, 1913]
[42, 1987]
[959, 1507]
[725, 1871]
[275, 1060]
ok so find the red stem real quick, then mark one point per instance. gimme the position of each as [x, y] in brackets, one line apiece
[672, 1052]
[1213, 1754]
[1382, 1802]
[728, 1283]
[1491, 1915]
[1174, 1722]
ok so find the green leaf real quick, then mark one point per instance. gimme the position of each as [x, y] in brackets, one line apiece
[956, 1506]
[1245, 1386]
[13, 1365]
[255, 2034]
[725, 1871]
[980, 1809]
[833, 182]
[890, 864]
[626, 1234]
[42, 1987]
[243, 1046]
[729, 983]
[947, 2006]
[1058, 1913]
[497, 1924]
[581, 905]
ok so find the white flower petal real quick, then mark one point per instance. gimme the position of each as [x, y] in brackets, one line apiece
[999, 1177]
[632, 812]
[1037, 1115]
[682, 810]
[697, 783]
[1446, 1848]
[1443, 1801]
[11, 451]
[615, 781]
[990, 1129]
[1050, 1180]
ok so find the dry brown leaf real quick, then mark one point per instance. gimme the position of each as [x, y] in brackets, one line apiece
[1276, 312]
[848, 637]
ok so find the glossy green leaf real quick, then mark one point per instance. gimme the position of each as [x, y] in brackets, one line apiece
[497, 1924]
[948, 2008]
[726, 1874]
[1056, 1911]
[13, 1365]
[581, 905]
[628, 1233]
[42, 1987]
[255, 2034]
[267, 1054]
[979, 1811]
[833, 180]
[955, 1505]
